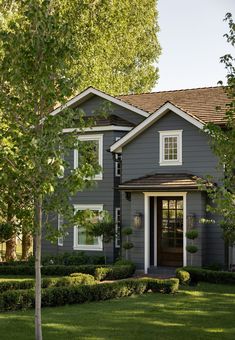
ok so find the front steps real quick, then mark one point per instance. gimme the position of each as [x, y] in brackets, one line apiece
[163, 272]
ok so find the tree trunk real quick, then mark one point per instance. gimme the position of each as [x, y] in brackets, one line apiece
[38, 238]
[26, 245]
[11, 249]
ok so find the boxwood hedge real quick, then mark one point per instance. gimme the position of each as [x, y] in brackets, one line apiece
[212, 276]
[59, 296]
[106, 273]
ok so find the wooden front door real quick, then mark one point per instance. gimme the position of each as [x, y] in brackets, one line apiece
[170, 231]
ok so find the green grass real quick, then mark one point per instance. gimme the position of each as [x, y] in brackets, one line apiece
[203, 312]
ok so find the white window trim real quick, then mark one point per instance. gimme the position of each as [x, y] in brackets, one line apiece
[60, 238]
[117, 210]
[94, 137]
[170, 133]
[76, 246]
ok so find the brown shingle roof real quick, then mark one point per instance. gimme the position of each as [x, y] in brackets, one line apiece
[162, 182]
[200, 102]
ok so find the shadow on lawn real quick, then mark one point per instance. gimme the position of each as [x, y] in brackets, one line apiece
[203, 312]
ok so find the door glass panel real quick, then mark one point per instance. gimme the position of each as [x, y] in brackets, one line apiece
[172, 224]
[165, 204]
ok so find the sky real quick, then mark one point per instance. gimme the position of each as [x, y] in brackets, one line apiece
[192, 42]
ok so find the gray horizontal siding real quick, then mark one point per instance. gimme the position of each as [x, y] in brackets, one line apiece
[92, 106]
[141, 156]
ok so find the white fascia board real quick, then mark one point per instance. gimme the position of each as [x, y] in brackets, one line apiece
[117, 147]
[103, 95]
[100, 128]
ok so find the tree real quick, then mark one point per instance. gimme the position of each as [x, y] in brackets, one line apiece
[223, 145]
[47, 50]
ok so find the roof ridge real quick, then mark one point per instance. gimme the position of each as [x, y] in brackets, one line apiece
[167, 91]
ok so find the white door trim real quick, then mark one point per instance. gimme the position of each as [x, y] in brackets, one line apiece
[147, 196]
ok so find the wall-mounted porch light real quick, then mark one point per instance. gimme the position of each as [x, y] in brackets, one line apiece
[191, 218]
[137, 220]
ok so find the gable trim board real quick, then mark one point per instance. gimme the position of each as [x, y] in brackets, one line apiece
[117, 147]
[100, 128]
[92, 91]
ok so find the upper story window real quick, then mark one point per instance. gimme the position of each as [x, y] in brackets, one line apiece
[60, 226]
[170, 147]
[94, 143]
[83, 240]
[118, 160]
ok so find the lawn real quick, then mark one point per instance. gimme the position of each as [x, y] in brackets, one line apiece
[203, 312]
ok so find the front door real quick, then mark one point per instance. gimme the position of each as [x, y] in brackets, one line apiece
[170, 231]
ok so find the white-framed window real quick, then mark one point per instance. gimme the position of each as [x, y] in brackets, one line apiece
[170, 147]
[118, 160]
[117, 227]
[60, 226]
[97, 144]
[82, 240]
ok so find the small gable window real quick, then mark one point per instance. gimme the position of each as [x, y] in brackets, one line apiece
[170, 143]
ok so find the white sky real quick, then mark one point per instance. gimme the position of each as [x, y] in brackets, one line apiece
[192, 42]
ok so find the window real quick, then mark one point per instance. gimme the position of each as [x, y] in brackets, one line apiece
[82, 240]
[117, 227]
[118, 160]
[93, 143]
[60, 226]
[170, 147]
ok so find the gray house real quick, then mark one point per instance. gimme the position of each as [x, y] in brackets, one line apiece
[152, 149]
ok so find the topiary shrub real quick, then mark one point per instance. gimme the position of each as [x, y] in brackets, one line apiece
[183, 276]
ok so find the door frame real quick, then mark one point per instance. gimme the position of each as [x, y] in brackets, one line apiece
[147, 196]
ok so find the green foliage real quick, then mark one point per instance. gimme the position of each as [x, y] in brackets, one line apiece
[116, 272]
[223, 145]
[213, 276]
[192, 234]
[64, 270]
[127, 231]
[59, 296]
[127, 245]
[73, 258]
[68, 281]
[191, 248]
[183, 276]
[99, 224]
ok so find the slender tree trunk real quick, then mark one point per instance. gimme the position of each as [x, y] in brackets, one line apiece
[38, 238]
[11, 249]
[26, 245]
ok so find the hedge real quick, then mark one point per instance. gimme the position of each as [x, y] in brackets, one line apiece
[112, 272]
[212, 276]
[67, 259]
[66, 281]
[59, 296]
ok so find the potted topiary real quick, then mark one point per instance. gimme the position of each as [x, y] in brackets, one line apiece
[192, 248]
[127, 245]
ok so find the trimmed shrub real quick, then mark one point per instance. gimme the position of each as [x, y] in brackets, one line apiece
[12, 285]
[67, 281]
[68, 259]
[59, 296]
[183, 276]
[112, 273]
[213, 276]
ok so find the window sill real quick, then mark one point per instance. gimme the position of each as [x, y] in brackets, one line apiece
[88, 248]
[170, 163]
